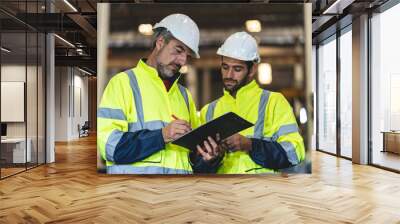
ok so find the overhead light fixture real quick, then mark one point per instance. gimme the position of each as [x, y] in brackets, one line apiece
[264, 73]
[146, 29]
[70, 5]
[337, 7]
[65, 41]
[78, 44]
[84, 71]
[5, 50]
[253, 26]
[303, 115]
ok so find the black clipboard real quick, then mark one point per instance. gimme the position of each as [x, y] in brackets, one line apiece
[226, 125]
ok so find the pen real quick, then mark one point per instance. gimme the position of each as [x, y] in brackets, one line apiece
[175, 117]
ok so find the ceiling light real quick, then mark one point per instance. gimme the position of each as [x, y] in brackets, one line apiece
[84, 71]
[303, 115]
[337, 7]
[253, 26]
[264, 73]
[70, 5]
[146, 29]
[65, 41]
[5, 50]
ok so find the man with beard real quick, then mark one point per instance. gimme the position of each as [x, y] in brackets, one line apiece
[273, 142]
[143, 109]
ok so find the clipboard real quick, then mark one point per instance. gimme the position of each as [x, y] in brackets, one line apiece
[226, 125]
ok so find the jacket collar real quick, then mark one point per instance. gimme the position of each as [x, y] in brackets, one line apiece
[245, 90]
[152, 73]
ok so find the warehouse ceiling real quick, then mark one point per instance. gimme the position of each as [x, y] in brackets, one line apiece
[76, 20]
[76, 24]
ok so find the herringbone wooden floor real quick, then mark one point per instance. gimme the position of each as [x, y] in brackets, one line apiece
[70, 191]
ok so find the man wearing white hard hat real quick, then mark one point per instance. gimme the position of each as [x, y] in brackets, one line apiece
[144, 108]
[274, 142]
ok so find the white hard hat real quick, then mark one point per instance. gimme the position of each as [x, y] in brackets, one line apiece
[184, 29]
[241, 46]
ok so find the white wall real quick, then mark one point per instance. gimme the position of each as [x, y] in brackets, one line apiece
[70, 83]
[13, 101]
[61, 103]
[13, 73]
[79, 117]
[33, 126]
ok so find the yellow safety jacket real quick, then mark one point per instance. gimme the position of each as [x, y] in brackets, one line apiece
[274, 121]
[137, 99]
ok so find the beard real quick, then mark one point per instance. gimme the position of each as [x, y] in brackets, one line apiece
[167, 71]
[234, 85]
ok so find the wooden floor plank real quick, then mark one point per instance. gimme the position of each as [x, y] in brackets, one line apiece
[71, 191]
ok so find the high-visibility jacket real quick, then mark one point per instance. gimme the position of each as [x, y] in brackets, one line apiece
[135, 100]
[274, 121]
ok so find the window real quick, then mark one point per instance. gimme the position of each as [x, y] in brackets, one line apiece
[327, 96]
[385, 88]
[314, 89]
[22, 75]
[346, 93]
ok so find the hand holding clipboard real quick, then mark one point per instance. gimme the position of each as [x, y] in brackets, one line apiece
[225, 125]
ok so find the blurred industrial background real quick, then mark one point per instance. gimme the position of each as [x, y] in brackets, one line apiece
[280, 39]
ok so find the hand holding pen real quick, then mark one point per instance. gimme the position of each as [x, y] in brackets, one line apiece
[175, 129]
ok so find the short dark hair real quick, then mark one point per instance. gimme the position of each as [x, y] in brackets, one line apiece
[163, 32]
[249, 65]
